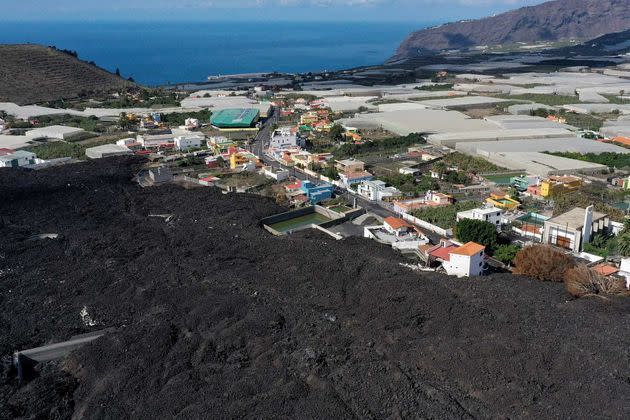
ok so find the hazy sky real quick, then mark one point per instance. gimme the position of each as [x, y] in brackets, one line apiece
[324, 10]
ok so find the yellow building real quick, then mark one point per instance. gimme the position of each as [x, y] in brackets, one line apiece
[241, 158]
[309, 118]
[502, 201]
[556, 185]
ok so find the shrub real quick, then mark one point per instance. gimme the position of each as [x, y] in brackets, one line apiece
[479, 231]
[582, 281]
[542, 263]
[506, 253]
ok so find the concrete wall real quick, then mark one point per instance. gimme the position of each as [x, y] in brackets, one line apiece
[428, 226]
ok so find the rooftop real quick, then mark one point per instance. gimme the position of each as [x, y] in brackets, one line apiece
[469, 249]
[235, 117]
[396, 223]
[574, 218]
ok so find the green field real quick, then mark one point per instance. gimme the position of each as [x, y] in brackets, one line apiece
[298, 223]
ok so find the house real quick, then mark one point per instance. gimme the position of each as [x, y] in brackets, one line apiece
[286, 137]
[191, 123]
[575, 228]
[17, 158]
[605, 270]
[355, 177]
[624, 271]
[522, 182]
[377, 190]
[316, 193]
[458, 260]
[350, 165]
[320, 158]
[309, 118]
[503, 201]
[487, 214]
[396, 232]
[431, 199]
[556, 185]
[220, 144]
[156, 140]
[278, 175]
[160, 175]
[188, 142]
[397, 227]
[241, 158]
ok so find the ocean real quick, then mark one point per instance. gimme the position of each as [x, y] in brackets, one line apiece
[159, 53]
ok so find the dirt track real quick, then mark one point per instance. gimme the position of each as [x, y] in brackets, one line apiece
[215, 318]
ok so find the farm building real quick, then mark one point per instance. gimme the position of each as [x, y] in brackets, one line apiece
[235, 118]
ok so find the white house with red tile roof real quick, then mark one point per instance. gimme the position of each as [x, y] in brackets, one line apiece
[461, 261]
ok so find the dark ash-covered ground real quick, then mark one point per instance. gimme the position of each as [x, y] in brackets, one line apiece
[216, 318]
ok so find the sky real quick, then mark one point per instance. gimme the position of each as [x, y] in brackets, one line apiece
[268, 10]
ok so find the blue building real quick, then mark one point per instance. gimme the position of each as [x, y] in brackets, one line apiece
[317, 193]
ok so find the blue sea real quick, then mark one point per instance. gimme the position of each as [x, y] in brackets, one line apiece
[158, 53]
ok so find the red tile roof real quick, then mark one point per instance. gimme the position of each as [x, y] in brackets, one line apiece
[605, 269]
[469, 249]
[443, 253]
[397, 223]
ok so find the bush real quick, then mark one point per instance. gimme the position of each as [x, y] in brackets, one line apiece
[542, 263]
[506, 253]
[468, 230]
[582, 281]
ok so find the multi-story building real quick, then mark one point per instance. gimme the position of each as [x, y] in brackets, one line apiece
[487, 214]
[377, 190]
[575, 228]
[461, 261]
[556, 185]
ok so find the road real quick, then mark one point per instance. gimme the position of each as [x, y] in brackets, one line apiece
[261, 143]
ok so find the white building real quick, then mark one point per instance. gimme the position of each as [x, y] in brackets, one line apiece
[285, 137]
[191, 123]
[461, 261]
[466, 260]
[575, 228]
[376, 190]
[126, 142]
[188, 142]
[59, 132]
[409, 171]
[624, 271]
[487, 214]
[397, 233]
[276, 174]
[18, 158]
[107, 150]
[157, 140]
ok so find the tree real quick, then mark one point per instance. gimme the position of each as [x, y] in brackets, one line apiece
[117, 72]
[337, 132]
[506, 253]
[123, 121]
[482, 232]
[582, 281]
[440, 168]
[331, 172]
[542, 262]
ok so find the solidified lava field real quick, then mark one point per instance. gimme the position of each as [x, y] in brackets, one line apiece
[215, 318]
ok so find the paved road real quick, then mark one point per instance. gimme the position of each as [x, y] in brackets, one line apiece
[260, 144]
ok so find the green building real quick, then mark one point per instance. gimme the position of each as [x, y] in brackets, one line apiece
[520, 182]
[235, 118]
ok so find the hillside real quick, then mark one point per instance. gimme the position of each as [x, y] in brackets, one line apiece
[215, 318]
[33, 73]
[559, 20]
[617, 43]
